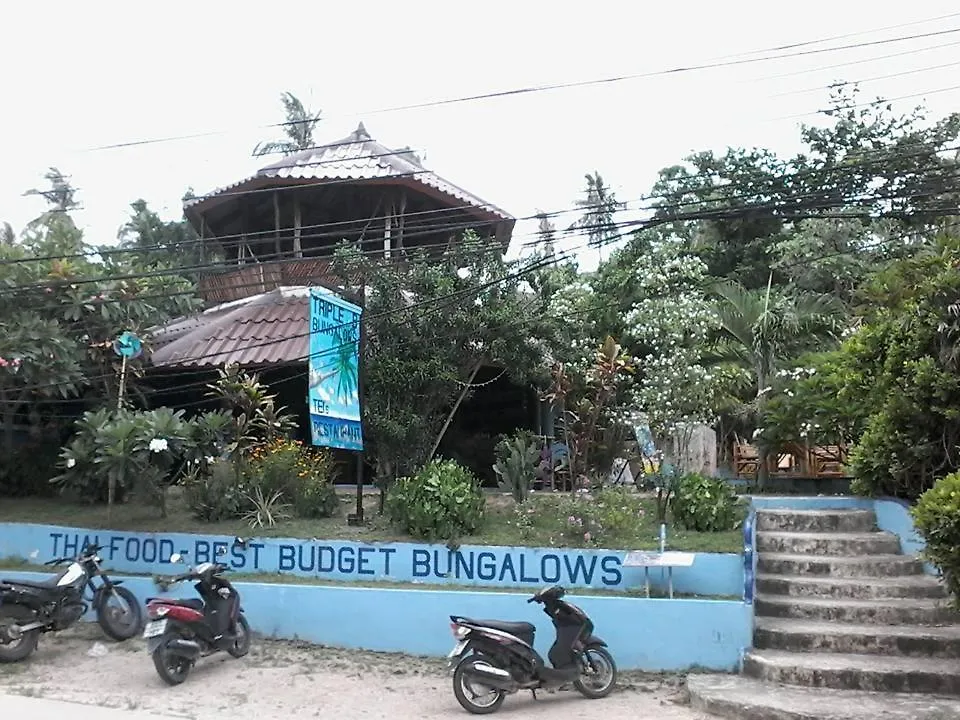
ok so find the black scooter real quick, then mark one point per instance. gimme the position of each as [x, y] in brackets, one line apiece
[493, 659]
[28, 608]
[181, 631]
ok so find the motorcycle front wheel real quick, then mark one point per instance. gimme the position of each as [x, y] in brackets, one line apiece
[601, 673]
[480, 700]
[119, 623]
[172, 669]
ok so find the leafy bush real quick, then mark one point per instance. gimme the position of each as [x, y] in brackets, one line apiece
[300, 475]
[215, 493]
[516, 465]
[937, 518]
[265, 510]
[27, 470]
[441, 502]
[705, 504]
[145, 451]
[591, 518]
[317, 497]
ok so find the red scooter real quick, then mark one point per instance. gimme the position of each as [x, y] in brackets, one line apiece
[179, 632]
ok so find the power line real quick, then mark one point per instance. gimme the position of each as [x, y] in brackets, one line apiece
[883, 101]
[551, 261]
[884, 156]
[860, 81]
[513, 92]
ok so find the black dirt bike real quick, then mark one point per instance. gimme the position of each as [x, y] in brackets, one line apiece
[181, 631]
[29, 608]
[492, 658]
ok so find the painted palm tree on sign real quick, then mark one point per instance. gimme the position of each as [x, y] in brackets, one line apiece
[298, 127]
[346, 369]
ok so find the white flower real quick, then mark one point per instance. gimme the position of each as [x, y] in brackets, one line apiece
[209, 459]
[463, 273]
[71, 462]
[158, 445]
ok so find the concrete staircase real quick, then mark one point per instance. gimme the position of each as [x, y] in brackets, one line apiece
[846, 628]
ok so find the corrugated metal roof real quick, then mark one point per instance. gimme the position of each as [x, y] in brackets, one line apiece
[269, 328]
[356, 157]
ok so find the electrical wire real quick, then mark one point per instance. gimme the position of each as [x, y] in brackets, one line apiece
[884, 156]
[513, 92]
[537, 265]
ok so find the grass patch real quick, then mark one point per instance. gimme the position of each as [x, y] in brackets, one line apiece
[540, 522]
[21, 565]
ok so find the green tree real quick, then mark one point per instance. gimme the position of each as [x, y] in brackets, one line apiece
[158, 241]
[902, 375]
[759, 330]
[600, 207]
[61, 193]
[430, 326]
[298, 128]
[885, 178]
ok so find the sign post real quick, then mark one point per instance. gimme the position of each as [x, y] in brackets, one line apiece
[127, 346]
[334, 388]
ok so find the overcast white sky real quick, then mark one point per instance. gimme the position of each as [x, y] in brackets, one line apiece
[80, 75]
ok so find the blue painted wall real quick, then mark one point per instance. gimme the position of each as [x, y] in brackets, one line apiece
[651, 635]
[710, 574]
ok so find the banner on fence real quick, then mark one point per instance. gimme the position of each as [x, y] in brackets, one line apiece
[333, 392]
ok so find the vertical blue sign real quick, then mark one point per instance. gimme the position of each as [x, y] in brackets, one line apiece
[333, 392]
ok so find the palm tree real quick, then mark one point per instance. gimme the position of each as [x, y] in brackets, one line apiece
[761, 328]
[298, 127]
[600, 206]
[7, 236]
[60, 195]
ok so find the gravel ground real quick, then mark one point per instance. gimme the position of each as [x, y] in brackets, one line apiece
[292, 681]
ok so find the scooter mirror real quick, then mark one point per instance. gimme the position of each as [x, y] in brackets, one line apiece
[176, 557]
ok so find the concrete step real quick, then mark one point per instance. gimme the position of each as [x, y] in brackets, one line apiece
[808, 636]
[920, 586]
[938, 676]
[830, 544]
[865, 566]
[881, 612]
[830, 521]
[742, 698]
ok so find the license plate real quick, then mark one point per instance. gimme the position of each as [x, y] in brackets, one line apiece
[155, 628]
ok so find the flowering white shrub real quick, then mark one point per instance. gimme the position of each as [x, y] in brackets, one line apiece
[668, 328]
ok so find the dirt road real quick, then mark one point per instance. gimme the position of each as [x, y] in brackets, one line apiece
[281, 679]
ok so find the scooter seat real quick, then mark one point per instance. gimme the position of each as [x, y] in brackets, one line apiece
[41, 585]
[192, 603]
[519, 629]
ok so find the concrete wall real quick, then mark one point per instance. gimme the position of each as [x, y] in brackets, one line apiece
[133, 552]
[651, 635]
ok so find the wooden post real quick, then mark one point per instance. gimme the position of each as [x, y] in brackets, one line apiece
[203, 243]
[387, 231]
[297, 249]
[357, 517]
[400, 219]
[276, 222]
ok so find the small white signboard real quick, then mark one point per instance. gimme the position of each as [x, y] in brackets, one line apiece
[668, 560]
